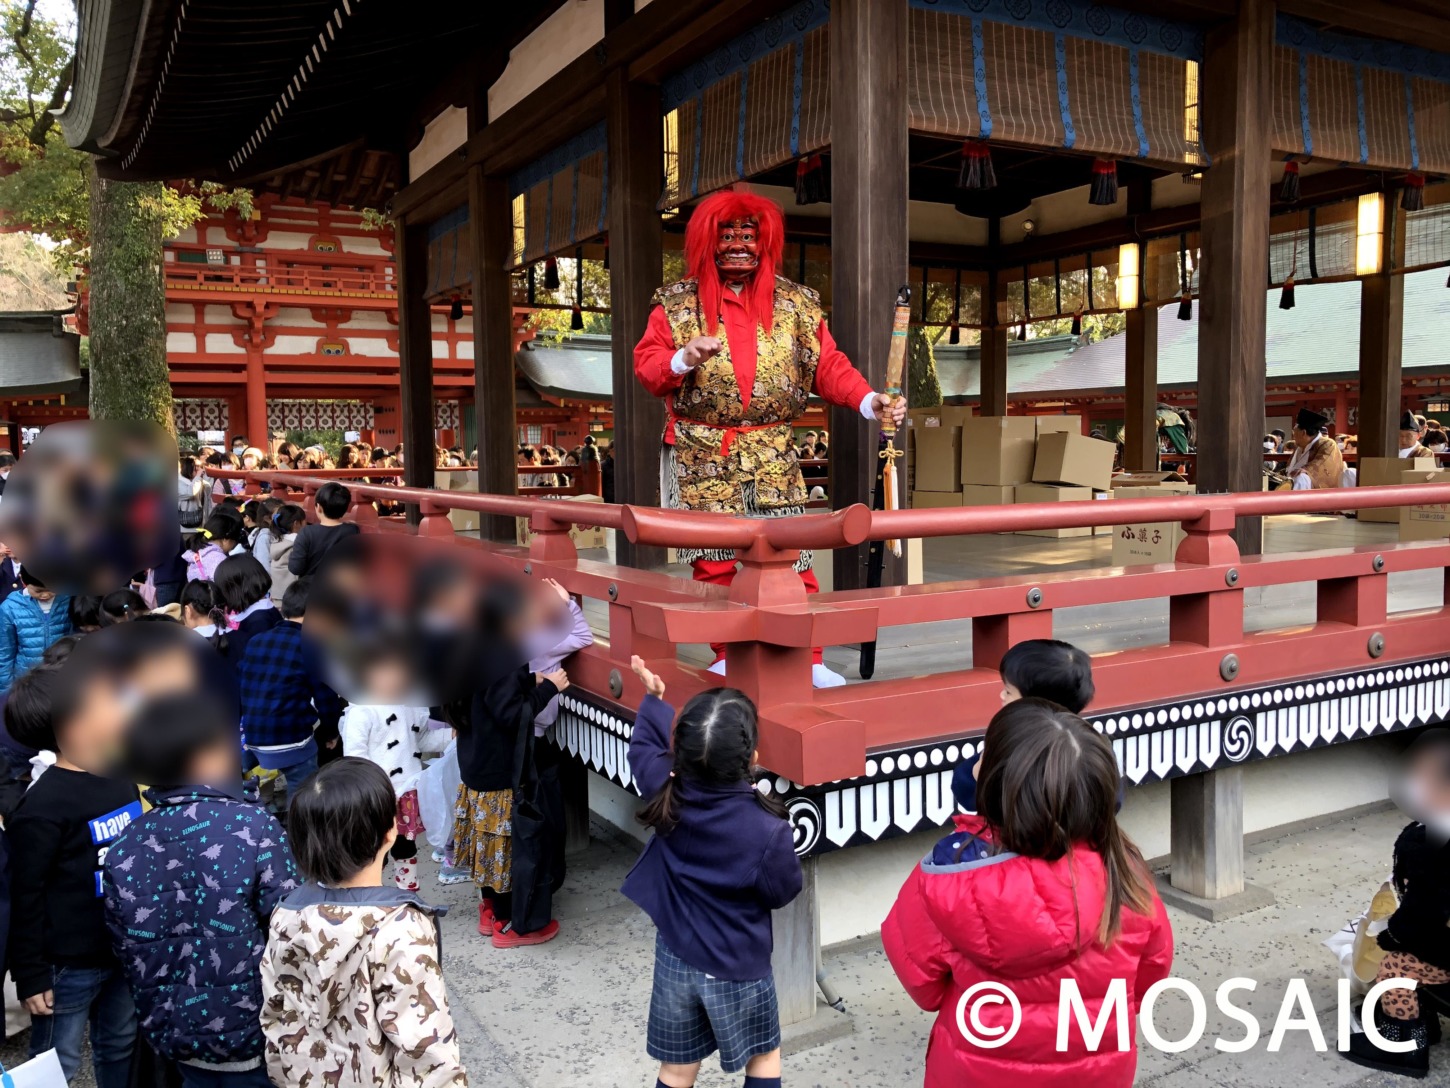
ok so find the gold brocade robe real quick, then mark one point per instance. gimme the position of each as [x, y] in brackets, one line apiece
[730, 458]
[1321, 461]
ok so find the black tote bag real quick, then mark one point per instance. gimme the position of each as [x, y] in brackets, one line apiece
[533, 852]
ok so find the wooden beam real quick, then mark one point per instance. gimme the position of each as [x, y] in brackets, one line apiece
[1381, 345]
[490, 233]
[1235, 244]
[992, 365]
[1424, 23]
[1140, 424]
[869, 163]
[415, 355]
[636, 258]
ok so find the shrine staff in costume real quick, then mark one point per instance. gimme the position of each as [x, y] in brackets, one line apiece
[1317, 462]
[1410, 445]
[736, 350]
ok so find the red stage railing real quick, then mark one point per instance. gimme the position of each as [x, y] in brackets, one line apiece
[769, 623]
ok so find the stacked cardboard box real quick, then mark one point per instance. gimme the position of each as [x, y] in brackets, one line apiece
[1423, 522]
[934, 456]
[1378, 471]
[584, 536]
[1147, 542]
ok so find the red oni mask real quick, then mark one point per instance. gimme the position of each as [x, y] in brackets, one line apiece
[737, 250]
[735, 237]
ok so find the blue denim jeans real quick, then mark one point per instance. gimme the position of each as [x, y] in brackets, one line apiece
[95, 996]
[296, 774]
[195, 1077]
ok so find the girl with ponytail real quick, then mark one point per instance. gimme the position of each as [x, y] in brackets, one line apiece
[204, 611]
[1062, 894]
[721, 859]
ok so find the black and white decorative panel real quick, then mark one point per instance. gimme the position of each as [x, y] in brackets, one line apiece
[910, 789]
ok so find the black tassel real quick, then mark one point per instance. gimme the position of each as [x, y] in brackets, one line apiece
[1077, 323]
[576, 318]
[551, 274]
[811, 183]
[976, 170]
[954, 335]
[1289, 187]
[823, 177]
[1185, 307]
[1104, 189]
[802, 196]
[1412, 196]
[606, 257]
[455, 310]
[1022, 332]
[1286, 296]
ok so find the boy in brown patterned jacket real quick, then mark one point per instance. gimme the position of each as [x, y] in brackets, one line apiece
[354, 994]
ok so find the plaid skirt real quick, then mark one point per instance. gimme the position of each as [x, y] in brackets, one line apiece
[692, 1015]
[483, 837]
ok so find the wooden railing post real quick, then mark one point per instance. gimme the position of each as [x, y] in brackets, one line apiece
[589, 478]
[433, 520]
[362, 512]
[1215, 618]
[309, 500]
[549, 540]
[770, 675]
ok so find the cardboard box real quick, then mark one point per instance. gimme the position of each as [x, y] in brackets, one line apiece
[988, 495]
[1030, 493]
[1423, 522]
[1378, 471]
[1103, 530]
[1072, 459]
[943, 415]
[998, 450]
[1157, 481]
[1147, 542]
[463, 520]
[584, 535]
[930, 500]
[937, 462]
[1052, 424]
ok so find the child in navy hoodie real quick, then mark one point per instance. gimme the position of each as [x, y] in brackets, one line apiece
[721, 859]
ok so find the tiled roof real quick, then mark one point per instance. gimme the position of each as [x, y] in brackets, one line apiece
[1319, 338]
[37, 355]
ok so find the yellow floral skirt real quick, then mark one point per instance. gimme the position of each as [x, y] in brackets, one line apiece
[483, 836]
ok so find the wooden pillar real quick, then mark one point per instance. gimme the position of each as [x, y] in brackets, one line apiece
[490, 233]
[797, 957]
[636, 265]
[1235, 251]
[992, 361]
[1140, 426]
[994, 372]
[415, 355]
[1381, 341]
[868, 230]
[1206, 814]
[257, 431]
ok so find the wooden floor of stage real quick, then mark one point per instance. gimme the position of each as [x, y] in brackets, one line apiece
[939, 647]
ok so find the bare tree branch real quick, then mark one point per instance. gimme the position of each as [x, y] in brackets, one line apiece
[24, 31]
[46, 120]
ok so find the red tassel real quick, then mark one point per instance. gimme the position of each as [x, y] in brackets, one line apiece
[976, 170]
[1289, 187]
[1104, 190]
[811, 185]
[1286, 296]
[576, 319]
[823, 177]
[1185, 307]
[1412, 196]
[551, 274]
[1077, 323]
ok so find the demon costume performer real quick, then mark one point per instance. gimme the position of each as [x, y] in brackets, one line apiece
[736, 350]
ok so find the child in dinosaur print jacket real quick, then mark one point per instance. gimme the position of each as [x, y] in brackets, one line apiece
[353, 991]
[189, 888]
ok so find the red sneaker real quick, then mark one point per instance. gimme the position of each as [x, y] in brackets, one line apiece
[485, 917]
[507, 938]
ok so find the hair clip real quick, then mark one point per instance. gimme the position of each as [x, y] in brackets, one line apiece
[205, 533]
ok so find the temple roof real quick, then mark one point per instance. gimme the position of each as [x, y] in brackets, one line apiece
[38, 355]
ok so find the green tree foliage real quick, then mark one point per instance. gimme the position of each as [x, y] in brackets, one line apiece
[923, 386]
[552, 322]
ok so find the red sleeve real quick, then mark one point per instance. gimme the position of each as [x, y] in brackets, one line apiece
[1157, 958]
[653, 353]
[916, 947]
[837, 381]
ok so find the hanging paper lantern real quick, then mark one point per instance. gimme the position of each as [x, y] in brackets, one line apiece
[1104, 190]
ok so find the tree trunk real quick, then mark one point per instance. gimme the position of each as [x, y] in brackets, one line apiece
[129, 378]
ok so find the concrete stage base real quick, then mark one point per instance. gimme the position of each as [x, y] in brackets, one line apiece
[827, 1026]
[1252, 898]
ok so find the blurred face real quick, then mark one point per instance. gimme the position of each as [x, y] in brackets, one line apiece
[217, 765]
[1301, 437]
[1009, 693]
[736, 254]
[40, 593]
[92, 738]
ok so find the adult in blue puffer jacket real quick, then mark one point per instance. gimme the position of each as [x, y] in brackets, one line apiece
[190, 888]
[29, 622]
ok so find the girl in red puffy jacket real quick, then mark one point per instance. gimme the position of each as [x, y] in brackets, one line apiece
[1065, 899]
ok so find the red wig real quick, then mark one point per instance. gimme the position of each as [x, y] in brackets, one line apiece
[700, 237]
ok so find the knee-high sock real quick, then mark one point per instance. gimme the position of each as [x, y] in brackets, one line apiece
[718, 572]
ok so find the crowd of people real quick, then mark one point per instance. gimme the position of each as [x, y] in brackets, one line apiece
[1319, 459]
[205, 775]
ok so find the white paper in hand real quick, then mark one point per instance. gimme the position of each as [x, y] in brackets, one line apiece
[40, 1072]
